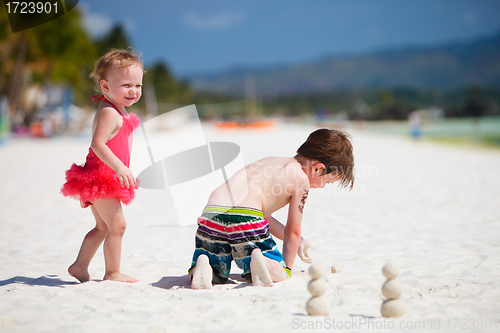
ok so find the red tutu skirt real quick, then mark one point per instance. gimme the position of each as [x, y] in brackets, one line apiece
[87, 185]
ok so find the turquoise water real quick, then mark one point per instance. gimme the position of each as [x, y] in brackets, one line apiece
[485, 130]
[4, 127]
[445, 127]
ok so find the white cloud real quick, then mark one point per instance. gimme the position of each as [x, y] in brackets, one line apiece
[129, 25]
[96, 24]
[470, 18]
[214, 22]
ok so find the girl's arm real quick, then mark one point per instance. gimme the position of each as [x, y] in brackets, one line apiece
[106, 123]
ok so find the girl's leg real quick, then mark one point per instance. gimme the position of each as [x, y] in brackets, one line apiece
[112, 214]
[89, 247]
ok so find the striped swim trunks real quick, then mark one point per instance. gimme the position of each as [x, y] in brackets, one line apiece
[232, 233]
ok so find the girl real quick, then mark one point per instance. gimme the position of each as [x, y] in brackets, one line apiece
[105, 181]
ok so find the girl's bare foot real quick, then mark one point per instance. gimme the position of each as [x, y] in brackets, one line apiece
[202, 274]
[258, 268]
[119, 277]
[81, 274]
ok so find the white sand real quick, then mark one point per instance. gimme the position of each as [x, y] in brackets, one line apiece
[434, 210]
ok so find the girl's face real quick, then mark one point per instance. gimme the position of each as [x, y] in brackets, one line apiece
[123, 87]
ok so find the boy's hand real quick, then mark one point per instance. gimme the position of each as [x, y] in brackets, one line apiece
[303, 250]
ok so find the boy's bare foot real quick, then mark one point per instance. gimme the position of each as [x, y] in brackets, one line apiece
[202, 274]
[120, 278]
[259, 271]
[81, 274]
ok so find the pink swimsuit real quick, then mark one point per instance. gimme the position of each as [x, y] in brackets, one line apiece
[95, 180]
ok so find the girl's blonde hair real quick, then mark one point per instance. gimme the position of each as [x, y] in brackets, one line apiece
[114, 59]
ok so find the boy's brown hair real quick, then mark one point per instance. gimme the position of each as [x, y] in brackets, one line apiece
[333, 149]
[122, 59]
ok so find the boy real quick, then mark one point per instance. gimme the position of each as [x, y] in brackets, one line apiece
[241, 233]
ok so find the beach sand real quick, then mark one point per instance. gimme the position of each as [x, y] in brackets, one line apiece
[432, 209]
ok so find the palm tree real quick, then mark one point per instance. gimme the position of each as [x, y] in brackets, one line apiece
[59, 51]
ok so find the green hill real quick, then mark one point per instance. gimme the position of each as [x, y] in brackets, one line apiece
[449, 66]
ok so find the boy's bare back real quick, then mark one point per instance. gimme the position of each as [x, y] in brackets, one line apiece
[267, 185]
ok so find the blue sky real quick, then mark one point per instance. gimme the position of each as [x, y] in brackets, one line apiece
[205, 36]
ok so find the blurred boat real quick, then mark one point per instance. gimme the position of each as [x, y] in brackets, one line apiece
[257, 124]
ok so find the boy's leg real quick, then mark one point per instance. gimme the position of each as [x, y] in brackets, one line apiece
[112, 214]
[264, 270]
[218, 254]
[260, 260]
[201, 274]
[207, 268]
[90, 244]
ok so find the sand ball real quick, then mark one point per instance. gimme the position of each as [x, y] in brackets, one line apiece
[317, 287]
[336, 269]
[318, 306]
[316, 271]
[393, 308]
[390, 271]
[392, 289]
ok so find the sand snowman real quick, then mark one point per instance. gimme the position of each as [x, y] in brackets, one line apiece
[318, 305]
[392, 290]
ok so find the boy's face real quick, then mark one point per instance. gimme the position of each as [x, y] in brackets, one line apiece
[124, 87]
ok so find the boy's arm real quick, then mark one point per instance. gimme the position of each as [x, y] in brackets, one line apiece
[278, 230]
[292, 232]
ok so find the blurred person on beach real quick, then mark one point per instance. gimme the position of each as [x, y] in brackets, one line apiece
[415, 121]
[242, 232]
[105, 181]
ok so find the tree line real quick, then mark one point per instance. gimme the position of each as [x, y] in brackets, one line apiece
[61, 52]
[385, 104]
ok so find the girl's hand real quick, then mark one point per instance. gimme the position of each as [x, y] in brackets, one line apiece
[303, 251]
[126, 177]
